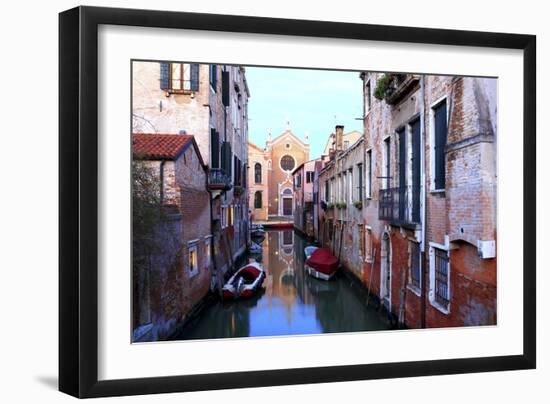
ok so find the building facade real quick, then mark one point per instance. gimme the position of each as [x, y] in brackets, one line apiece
[281, 155]
[341, 224]
[430, 198]
[172, 258]
[410, 208]
[210, 102]
[304, 197]
[258, 182]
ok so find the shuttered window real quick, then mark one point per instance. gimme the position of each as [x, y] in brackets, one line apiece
[227, 158]
[440, 140]
[179, 77]
[214, 149]
[214, 77]
[415, 141]
[225, 88]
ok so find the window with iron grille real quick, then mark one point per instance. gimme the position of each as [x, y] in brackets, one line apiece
[441, 278]
[415, 274]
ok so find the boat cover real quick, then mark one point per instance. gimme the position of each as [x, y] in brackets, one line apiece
[249, 273]
[323, 261]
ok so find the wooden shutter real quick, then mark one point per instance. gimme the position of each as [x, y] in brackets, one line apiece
[415, 133]
[164, 76]
[225, 88]
[214, 149]
[194, 77]
[402, 157]
[440, 121]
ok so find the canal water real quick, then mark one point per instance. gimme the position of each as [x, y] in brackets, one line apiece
[291, 301]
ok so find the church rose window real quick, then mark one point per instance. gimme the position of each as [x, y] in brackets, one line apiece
[287, 163]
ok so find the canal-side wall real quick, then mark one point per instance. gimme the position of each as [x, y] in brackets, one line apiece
[460, 220]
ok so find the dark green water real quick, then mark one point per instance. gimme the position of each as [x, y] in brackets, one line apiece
[291, 303]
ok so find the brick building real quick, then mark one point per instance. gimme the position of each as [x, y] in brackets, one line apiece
[211, 102]
[303, 180]
[341, 222]
[172, 274]
[281, 155]
[429, 204]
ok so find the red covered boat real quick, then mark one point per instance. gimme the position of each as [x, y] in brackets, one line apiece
[322, 264]
[245, 282]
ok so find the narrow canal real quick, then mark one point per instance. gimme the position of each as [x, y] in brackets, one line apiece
[291, 301]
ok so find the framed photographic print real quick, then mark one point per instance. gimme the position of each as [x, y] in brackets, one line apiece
[251, 201]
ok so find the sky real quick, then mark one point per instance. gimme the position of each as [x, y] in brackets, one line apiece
[313, 101]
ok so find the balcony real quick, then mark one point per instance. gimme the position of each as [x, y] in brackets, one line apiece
[394, 87]
[400, 206]
[218, 180]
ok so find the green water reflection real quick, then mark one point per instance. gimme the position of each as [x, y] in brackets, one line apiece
[291, 302]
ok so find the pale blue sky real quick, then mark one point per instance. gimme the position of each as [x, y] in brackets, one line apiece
[314, 101]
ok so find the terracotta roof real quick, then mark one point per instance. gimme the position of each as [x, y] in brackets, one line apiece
[153, 146]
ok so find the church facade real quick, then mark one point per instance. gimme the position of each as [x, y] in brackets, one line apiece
[270, 175]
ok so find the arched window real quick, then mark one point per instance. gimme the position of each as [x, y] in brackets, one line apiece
[287, 163]
[258, 173]
[258, 200]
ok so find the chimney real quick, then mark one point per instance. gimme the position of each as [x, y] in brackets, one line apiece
[339, 138]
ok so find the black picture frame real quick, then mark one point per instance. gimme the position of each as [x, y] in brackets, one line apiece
[78, 200]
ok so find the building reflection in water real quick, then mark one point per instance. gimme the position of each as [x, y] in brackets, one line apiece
[291, 302]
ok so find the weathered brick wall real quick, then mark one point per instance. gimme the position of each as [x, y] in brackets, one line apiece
[465, 211]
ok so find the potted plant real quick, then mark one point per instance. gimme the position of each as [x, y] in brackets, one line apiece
[358, 204]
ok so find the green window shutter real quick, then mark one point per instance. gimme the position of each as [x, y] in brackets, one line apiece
[194, 77]
[214, 149]
[225, 88]
[164, 76]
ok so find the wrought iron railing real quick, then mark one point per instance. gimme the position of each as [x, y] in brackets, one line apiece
[400, 205]
[218, 180]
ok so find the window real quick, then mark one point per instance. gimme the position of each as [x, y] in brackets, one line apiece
[223, 217]
[361, 239]
[287, 163]
[368, 179]
[309, 176]
[214, 77]
[346, 144]
[258, 200]
[331, 188]
[440, 278]
[414, 267]
[415, 170]
[368, 244]
[440, 141]
[368, 98]
[327, 191]
[387, 161]
[350, 186]
[179, 77]
[343, 186]
[360, 182]
[298, 181]
[208, 252]
[193, 261]
[214, 148]
[258, 173]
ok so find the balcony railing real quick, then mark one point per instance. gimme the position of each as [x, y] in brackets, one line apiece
[218, 180]
[400, 205]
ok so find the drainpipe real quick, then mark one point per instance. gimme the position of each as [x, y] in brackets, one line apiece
[423, 199]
